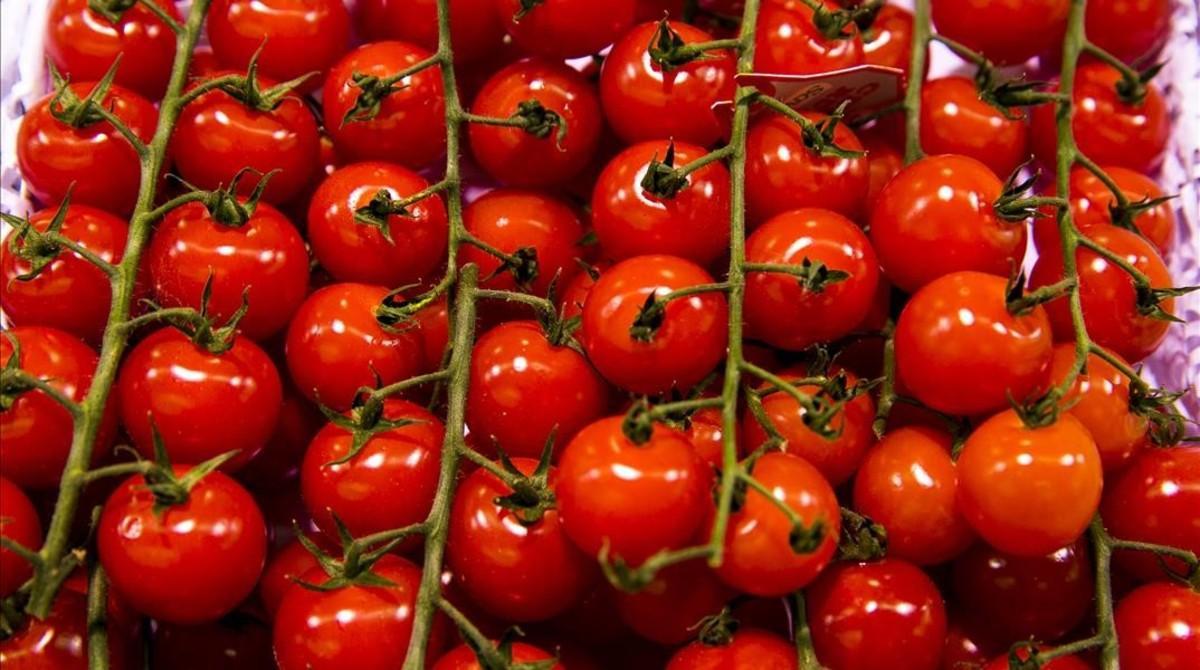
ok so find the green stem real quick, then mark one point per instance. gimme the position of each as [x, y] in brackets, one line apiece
[97, 619]
[483, 647]
[1106, 630]
[806, 656]
[916, 79]
[962, 51]
[542, 305]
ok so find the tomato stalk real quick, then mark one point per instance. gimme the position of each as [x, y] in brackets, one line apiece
[806, 656]
[97, 619]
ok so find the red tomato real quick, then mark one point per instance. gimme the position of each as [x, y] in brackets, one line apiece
[866, 616]
[888, 42]
[955, 121]
[353, 251]
[463, 658]
[788, 42]
[433, 325]
[203, 404]
[69, 293]
[1155, 500]
[475, 30]
[1107, 292]
[410, 126]
[60, 641]
[18, 523]
[574, 294]
[389, 484]
[884, 161]
[629, 221]
[782, 173]
[36, 432]
[1029, 491]
[707, 435]
[637, 499]
[668, 609]
[97, 160]
[1007, 31]
[286, 565]
[277, 465]
[265, 256]
[959, 350]
[642, 101]
[1130, 30]
[292, 37]
[335, 345]
[1158, 627]
[1062, 663]
[237, 642]
[688, 345]
[749, 648]
[190, 563]
[1090, 200]
[1100, 400]
[964, 650]
[518, 158]
[559, 29]
[759, 558]
[83, 45]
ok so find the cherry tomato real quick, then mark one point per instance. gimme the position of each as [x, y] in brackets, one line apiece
[286, 565]
[1100, 400]
[964, 650]
[353, 251]
[95, 162]
[463, 658]
[866, 616]
[668, 609]
[35, 431]
[706, 431]
[1129, 30]
[559, 29]
[955, 121]
[749, 648]
[787, 41]
[518, 158]
[1108, 295]
[759, 555]
[1154, 500]
[636, 499]
[60, 641]
[291, 37]
[433, 324]
[262, 261]
[475, 29]
[1061, 663]
[574, 294]
[959, 350]
[1008, 32]
[629, 221]
[189, 563]
[888, 42]
[389, 483]
[335, 345]
[277, 466]
[409, 128]
[69, 293]
[1029, 491]
[83, 44]
[1158, 626]
[687, 346]
[237, 642]
[1090, 202]
[18, 523]
[884, 161]
[783, 173]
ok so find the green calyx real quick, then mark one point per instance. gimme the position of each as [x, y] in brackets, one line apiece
[1124, 216]
[540, 121]
[522, 264]
[649, 319]
[1149, 301]
[862, 539]
[500, 656]
[112, 10]
[38, 248]
[69, 108]
[364, 421]
[373, 91]
[248, 88]
[662, 178]
[1132, 89]
[526, 7]
[668, 50]
[717, 630]
[377, 211]
[12, 384]
[353, 567]
[396, 312]
[819, 137]
[531, 496]
[833, 24]
[201, 328]
[1166, 425]
[168, 489]
[1014, 203]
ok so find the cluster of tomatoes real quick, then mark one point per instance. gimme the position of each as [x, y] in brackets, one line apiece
[310, 211]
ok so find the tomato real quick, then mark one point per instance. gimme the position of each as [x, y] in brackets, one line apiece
[264, 256]
[787, 41]
[888, 42]
[1155, 500]
[964, 650]
[292, 37]
[643, 101]
[866, 616]
[60, 641]
[36, 432]
[475, 30]
[1158, 626]
[518, 158]
[433, 325]
[759, 557]
[170, 383]
[69, 293]
[1107, 129]
[1061, 663]
[354, 251]
[18, 523]
[1008, 32]
[955, 121]
[277, 465]
[366, 627]
[1029, 491]
[1100, 400]
[1129, 30]
[706, 431]
[389, 484]
[637, 499]
[463, 658]
[559, 29]
[780, 310]
[189, 563]
[668, 609]
[687, 346]
[884, 161]
[83, 44]
[287, 564]
[630, 221]
[959, 350]
[410, 126]
[97, 160]
[1110, 311]
[749, 648]
[335, 345]
[238, 642]
[782, 173]
[574, 294]
[1090, 202]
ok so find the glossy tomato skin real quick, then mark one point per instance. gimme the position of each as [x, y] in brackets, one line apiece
[1158, 627]
[787, 42]
[83, 45]
[170, 383]
[1061, 663]
[707, 435]
[942, 331]
[783, 174]
[759, 558]
[1029, 491]
[667, 610]
[190, 563]
[866, 616]
[59, 641]
[102, 165]
[475, 29]
[643, 102]
[264, 256]
[19, 523]
[908, 483]
[558, 29]
[640, 499]
[352, 251]
[70, 293]
[955, 121]
[885, 160]
[302, 36]
[410, 126]
[786, 315]
[389, 484]
[749, 648]
[35, 433]
[237, 642]
[575, 292]
[1129, 30]
[1007, 31]
[688, 345]
[1090, 202]
[629, 221]
[964, 649]
[888, 42]
[1099, 398]
[463, 657]
[335, 345]
[287, 564]
[514, 156]
[1155, 500]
